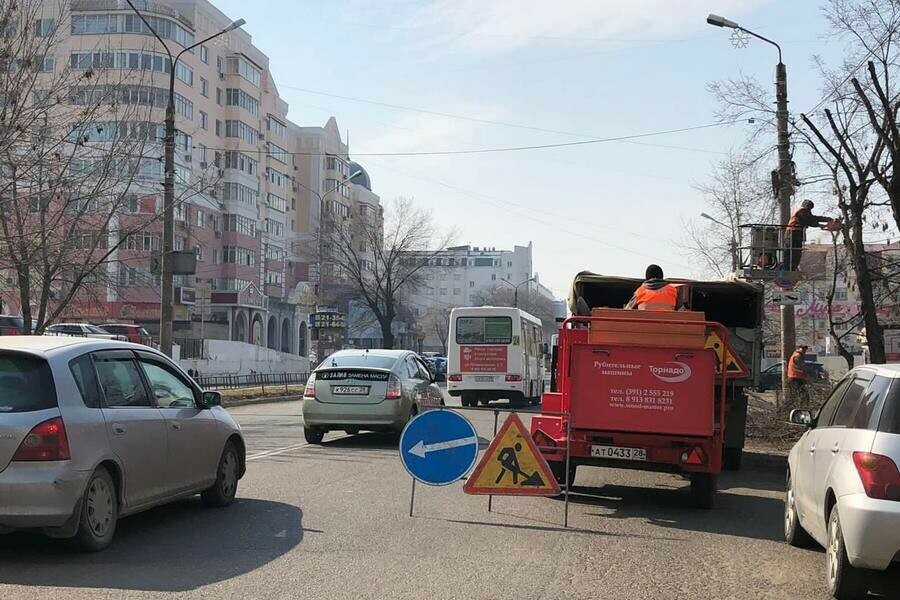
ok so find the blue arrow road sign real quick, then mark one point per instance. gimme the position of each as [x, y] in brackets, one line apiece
[438, 447]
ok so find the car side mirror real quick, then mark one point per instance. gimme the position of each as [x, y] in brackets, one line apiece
[801, 417]
[211, 399]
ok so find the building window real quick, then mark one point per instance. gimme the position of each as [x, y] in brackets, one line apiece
[218, 128]
[184, 107]
[219, 96]
[238, 65]
[239, 192]
[277, 177]
[443, 291]
[204, 88]
[203, 151]
[125, 23]
[509, 263]
[200, 218]
[276, 202]
[198, 250]
[242, 162]
[277, 152]
[456, 291]
[238, 256]
[238, 97]
[44, 27]
[204, 54]
[840, 295]
[275, 126]
[493, 276]
[471, 284]
[204, 120]
[240, 224]
[239, 129]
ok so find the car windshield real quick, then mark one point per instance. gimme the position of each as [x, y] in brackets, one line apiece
[483, 330]
[359, 360]
[26, 384]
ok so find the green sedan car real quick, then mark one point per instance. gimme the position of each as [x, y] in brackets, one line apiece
[373, 390]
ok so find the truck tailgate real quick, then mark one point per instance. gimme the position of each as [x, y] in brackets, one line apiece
[643, 390]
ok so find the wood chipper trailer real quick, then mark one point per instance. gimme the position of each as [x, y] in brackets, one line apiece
[651, 390]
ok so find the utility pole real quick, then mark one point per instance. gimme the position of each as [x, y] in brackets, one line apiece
[784, 191]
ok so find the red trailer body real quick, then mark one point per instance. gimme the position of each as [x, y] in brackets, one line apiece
[636, 402]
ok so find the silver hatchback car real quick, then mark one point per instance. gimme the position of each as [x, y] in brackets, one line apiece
[376, 390]
[843, 485]
[93, 430]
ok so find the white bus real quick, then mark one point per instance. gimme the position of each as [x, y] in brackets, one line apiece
[494, 353]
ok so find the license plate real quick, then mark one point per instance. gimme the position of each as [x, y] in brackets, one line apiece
[619, 452]
[350, 390]
[484, 378]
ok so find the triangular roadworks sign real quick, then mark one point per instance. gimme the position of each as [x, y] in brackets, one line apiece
[512, 465]
[734, 366]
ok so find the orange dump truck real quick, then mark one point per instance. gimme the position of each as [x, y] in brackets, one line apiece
[653, 390]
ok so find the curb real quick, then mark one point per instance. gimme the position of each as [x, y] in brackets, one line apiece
[763, 461]
[227, 403]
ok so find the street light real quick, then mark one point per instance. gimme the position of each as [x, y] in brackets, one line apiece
[733, 247]
[167, 276]
[783, 178]
[515, 287]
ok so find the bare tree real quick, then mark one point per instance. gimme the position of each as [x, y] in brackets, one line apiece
[735, 194]
[80, 163]
[436, 321]
[380, 260]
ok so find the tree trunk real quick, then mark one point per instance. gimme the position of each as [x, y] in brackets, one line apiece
[387, 336]
[874, 333]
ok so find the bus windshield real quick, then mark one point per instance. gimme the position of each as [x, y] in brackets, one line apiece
[483, 330]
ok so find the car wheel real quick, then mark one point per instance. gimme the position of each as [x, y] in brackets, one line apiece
[224, 489]
[99, 512]
[844, 580]
[313, 435]
[703, 490]
[794, 534]
[351, 430]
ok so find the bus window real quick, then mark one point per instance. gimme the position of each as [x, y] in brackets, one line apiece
[484, 330]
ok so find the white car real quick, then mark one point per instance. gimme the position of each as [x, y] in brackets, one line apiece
[843, 485]
[83, 330]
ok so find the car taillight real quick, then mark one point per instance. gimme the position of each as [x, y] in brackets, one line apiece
[511, 377]
[310, 390]
[454, 377]
[10, 331]
[879, 475]
[694, 456]
[393, 388]
[46, 441]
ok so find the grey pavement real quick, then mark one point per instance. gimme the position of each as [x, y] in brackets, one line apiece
[331, 521]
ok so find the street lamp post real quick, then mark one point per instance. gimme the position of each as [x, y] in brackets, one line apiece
[515, 287]
[166, 312]
[732, 245]
[784, 176]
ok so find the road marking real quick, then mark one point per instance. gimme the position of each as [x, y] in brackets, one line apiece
[421, 449]
[276, 451]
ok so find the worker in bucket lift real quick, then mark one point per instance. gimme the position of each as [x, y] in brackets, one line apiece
[802, 218]
[655, 293]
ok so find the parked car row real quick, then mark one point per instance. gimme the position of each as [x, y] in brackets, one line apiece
[12, 325]
[95, 429]
[843, 485]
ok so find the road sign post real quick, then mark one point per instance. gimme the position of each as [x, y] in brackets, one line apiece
[438, 447]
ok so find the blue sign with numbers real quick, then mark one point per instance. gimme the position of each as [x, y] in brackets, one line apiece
[438, 447]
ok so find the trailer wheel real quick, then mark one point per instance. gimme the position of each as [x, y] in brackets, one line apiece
[559, 472]
[703, 490]
[731, 458]
[467, 400]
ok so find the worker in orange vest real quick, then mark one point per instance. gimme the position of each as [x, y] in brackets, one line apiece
[796, 372]
[802, 218]
[655, 293]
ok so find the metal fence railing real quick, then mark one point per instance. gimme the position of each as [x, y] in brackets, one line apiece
[190, 347]
[230, 382]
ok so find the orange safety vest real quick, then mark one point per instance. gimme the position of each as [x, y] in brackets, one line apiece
[794, 222]
[793, 371]
[664, 298]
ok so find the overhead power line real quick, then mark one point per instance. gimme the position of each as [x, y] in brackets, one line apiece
[515, 148]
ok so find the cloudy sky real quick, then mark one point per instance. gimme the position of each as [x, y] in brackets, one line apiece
[450, 75]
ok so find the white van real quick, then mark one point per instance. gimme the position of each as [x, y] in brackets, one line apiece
[494, 353]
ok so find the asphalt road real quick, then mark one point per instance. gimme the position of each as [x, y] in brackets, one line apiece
[331, 521]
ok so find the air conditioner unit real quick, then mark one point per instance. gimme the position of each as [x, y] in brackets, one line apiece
[188, 158]
[204, 165]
